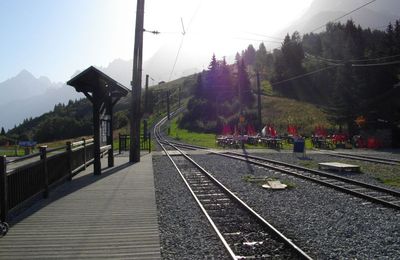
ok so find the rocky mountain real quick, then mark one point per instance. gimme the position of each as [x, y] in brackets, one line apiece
[25, 96]
[376, 15]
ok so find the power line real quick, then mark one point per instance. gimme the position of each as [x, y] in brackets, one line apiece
[183, 35]
[346, 14]
[356, 60]
[303, 75]
[263, 35]
[377, 64]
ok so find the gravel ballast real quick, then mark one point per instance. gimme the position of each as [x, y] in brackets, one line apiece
[184, 231]
[370, 171]
[325, 223]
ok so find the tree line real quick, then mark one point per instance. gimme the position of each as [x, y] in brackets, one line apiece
[348, 71]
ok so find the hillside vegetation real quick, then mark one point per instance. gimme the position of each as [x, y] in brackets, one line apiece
[329, 79]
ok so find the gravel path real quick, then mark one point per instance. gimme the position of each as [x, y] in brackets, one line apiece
[185, 231]
[323, 222]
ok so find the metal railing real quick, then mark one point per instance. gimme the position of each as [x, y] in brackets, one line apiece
[24, 178]
[124, 143]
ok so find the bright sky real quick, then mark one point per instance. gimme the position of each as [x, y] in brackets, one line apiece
[55, 38]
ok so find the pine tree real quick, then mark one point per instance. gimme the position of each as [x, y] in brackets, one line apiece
[245, 95]
[3, 132]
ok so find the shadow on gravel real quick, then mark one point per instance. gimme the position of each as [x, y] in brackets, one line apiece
[249, 166]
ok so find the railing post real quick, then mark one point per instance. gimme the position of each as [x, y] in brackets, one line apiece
[84, 153]
[43, 158]
[149, 142]
[119, 143]
[69, 156]
[4, 189]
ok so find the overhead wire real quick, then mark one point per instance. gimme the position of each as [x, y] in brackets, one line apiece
[304, 75]
[183, 37]
[346, 14]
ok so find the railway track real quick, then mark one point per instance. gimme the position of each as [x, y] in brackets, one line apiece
[372, 193]
[365, 158]
[244, 233]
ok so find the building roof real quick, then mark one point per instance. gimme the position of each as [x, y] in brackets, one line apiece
[91, 79]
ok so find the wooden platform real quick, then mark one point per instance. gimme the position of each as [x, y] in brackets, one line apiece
[339, 166]
[112, 216]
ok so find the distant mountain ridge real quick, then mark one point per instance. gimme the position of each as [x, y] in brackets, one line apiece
[25, 96]
[376, 15]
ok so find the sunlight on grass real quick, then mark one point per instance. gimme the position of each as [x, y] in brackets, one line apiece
[201, 139]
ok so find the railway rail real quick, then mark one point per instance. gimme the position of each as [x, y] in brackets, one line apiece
[365, 158]
[372, 193]
[243, 232]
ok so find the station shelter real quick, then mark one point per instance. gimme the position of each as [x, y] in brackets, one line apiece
[103, 92]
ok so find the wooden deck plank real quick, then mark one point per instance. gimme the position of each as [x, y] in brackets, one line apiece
[108, 216]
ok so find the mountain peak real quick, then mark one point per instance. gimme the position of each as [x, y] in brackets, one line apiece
[25, 74]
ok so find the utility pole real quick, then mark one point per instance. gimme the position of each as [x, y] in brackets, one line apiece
[146, 96]
[259, 100]
[179, 97]
[168, 105]
[136, 83]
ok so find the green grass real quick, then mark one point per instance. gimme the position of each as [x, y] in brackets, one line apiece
[206, 140]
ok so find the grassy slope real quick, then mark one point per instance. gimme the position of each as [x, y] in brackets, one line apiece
[282, 111]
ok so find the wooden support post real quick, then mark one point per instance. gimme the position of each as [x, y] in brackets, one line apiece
[145, 130]
[84, 153]
[110, 132]
[96, 133]
[69, 160]
[119, 143]
[149, 142]
[4, 189]
[43, 158]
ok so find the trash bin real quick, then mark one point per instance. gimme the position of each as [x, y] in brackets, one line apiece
[299, 145]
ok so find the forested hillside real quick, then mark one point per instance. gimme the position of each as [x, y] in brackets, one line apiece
[347, 71]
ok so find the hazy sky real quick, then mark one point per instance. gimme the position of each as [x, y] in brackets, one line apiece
[55, 38]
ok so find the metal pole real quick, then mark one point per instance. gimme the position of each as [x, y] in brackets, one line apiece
[168, 105]
[134, 154]
[259, 100]
[146, 96]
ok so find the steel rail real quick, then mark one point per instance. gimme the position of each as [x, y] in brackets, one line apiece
[363, 158]
[256, 160]
[249, 210]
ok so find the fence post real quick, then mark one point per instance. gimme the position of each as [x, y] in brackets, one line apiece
[43, 158]
[149, 142]
[119, 143]
[84, 153]
[4, 188]
[69, 156]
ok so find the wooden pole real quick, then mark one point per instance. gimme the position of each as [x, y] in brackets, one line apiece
[96, 133]
[4, 189]
[168, 105]
[43, 158]
[134, 154]
[259, 101]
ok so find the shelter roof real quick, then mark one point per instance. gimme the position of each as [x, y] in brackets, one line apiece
[92, 79]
